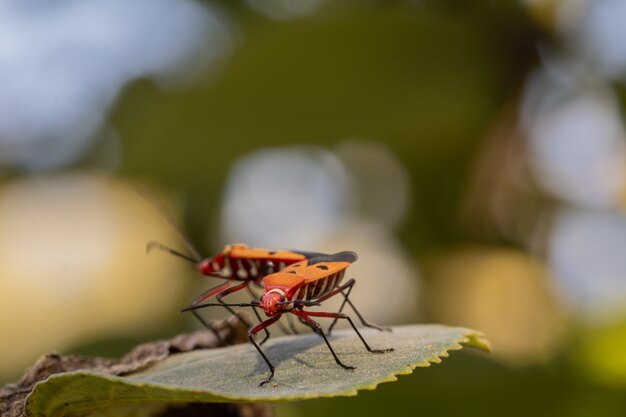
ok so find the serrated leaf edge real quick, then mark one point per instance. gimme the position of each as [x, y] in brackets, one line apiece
[470, 338]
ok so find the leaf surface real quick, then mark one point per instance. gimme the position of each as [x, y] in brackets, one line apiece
[304, 369]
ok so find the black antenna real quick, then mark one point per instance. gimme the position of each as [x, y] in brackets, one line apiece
[306, 303]
[199, 306]
[157, 245]
[169, 218]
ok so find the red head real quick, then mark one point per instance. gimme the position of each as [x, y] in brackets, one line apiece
[271, 298]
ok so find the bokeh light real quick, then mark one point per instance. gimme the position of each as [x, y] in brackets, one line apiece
[586, 253]
[508, 294]
[380, 187]
[577, 142]
[62, 67]
[264, 206]
[602, 36]
[74, 267]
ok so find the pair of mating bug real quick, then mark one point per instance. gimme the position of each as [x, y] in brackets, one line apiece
[291, 281]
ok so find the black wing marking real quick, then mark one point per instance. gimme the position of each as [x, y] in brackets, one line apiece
[309, 255]
[345, 256]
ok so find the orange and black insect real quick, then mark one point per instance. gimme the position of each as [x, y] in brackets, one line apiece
[303, 284]
[241, 266]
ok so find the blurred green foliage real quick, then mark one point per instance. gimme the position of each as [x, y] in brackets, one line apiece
[426, 80]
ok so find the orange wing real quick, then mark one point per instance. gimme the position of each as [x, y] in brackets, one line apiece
[316, 271]
[281, 280]
[300, 271]
[246, 252]
[323, 269]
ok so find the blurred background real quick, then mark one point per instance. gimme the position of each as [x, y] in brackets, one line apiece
[473, 153]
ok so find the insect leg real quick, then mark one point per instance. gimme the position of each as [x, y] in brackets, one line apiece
[232, 290]
[204, 296]
[304, 315]
[209, 326]
[211, 292]
[365, 322]
[349, 285]
[253, 331]
[345, 316]
[346, 299]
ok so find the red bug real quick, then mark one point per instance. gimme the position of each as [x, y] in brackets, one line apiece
[241, 266]
[306, 283]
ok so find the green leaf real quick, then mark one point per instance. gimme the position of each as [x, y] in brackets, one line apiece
[304, 369]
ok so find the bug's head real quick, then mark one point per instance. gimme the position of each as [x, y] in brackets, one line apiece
[270, 301]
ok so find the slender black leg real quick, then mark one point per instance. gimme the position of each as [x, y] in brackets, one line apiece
[209, 326]
[253, 331]
[318, 329]
[267, 333]
[204, 296]
[212, 292]
[343, 304]
[365, 322]
[345, 316]
[346, 299]
[228, 291]
[244, 284]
